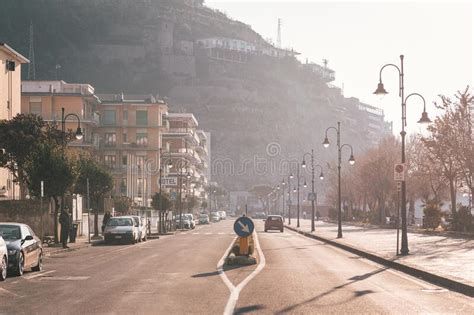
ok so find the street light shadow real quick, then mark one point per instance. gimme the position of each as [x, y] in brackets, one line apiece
[248, 309]
[357, 293]
[205, 274]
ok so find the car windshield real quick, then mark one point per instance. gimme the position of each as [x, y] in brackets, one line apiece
[120, 222]
[10, 232]
[203, 216]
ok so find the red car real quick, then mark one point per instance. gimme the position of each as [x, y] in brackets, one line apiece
[274, 222]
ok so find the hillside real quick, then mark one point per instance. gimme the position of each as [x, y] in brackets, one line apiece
[150, 46]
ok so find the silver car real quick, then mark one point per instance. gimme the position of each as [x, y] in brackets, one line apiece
[3, 259]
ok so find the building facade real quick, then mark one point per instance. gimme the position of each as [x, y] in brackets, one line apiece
[130, 137]
[10, 106]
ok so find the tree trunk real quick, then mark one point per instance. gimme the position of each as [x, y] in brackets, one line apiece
[452, 193]
[96, 223]
[55, 219]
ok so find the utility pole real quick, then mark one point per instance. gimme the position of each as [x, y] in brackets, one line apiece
[89, 213]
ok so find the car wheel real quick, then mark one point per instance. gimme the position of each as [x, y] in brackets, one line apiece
[281, 230]
[140, 239]
[145, 238]
[39, 266]
[266, 230]
[3, 268]
[20, 268]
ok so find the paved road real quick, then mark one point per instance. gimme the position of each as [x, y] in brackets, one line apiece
[177, 275]
[172, 275]
[304, 276]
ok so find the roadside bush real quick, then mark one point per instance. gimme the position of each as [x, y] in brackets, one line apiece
[463, 221]
[432, 215]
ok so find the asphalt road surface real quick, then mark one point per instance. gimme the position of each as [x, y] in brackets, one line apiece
[178, 275]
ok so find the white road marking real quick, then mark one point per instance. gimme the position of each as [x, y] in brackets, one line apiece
[2, 290]
[208, 233]
[40, 274]
[221, 233]
[196, 233]
[235, 291]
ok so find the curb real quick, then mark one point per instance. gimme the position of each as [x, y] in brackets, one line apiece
[65, 250]
[421, 274]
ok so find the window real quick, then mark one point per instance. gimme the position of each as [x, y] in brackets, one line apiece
[35, 108]
[109, 161]
[142, 118]
[142, 139]
[110, 139]
[123, 186]
[125, 115]
[125, 138]
[109, 117]
[124, 160]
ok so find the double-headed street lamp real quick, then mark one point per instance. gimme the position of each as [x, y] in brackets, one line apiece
[290, 176]
[351, 161]
[313, 194]
[424, 119]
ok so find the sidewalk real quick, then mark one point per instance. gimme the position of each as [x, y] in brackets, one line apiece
[81, 242]
[446, 256]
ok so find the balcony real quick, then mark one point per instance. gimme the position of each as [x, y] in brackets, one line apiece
[182, 132]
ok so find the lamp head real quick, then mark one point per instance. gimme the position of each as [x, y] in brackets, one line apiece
[424, 118]
[291, 175]
[170, 164]
[188, 175]
[352, 160]
[79, 133]
[380, 91]
[303, 164]
[294, 189]
[278, 187]
[283, 182]
[326, 142]
[304, 184]
[321, 176]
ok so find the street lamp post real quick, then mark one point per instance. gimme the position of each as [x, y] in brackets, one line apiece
[79, 136]
[351, 161]
[283, 198]
[424, 119]
[321, 176]
[290, 176]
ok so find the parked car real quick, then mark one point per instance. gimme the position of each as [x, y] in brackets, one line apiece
[274, 222]
[222, 214]
[121, 229]
[186, 224]
[215, 217]
[204, 219]
[141, 228]
[3, 259]
[24, 247]
[259, 215]
[190, 217]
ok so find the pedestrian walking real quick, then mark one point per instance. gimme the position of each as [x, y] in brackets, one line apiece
[106, 219]
[65, 222]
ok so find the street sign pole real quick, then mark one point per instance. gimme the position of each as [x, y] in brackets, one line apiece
[398, 216]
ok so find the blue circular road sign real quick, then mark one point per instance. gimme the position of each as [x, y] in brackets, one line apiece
[243, 226]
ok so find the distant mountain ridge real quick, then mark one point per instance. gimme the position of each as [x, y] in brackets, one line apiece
[247, 100]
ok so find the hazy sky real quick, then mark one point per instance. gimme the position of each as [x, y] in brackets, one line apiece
[358, 37]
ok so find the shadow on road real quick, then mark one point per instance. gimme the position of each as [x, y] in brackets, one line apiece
[248, 309]
[357, 294]
[216, 273]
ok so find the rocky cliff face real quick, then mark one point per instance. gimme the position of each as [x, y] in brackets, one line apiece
[149, 46]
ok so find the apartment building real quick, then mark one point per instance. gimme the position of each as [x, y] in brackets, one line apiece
[189, 154]
[130, 138]
[79, 101]
[10, 106]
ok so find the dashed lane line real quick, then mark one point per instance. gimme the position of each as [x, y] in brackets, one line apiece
[39, 274]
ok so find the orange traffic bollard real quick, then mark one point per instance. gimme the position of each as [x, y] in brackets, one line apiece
[244, 245]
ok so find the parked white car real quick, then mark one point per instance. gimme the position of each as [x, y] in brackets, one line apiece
[192, 222]
[121, 229]
[3, 259]
[222, 214]
[142, 236]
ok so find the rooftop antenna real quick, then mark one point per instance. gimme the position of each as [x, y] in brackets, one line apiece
[279, 34]
[31, 66]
